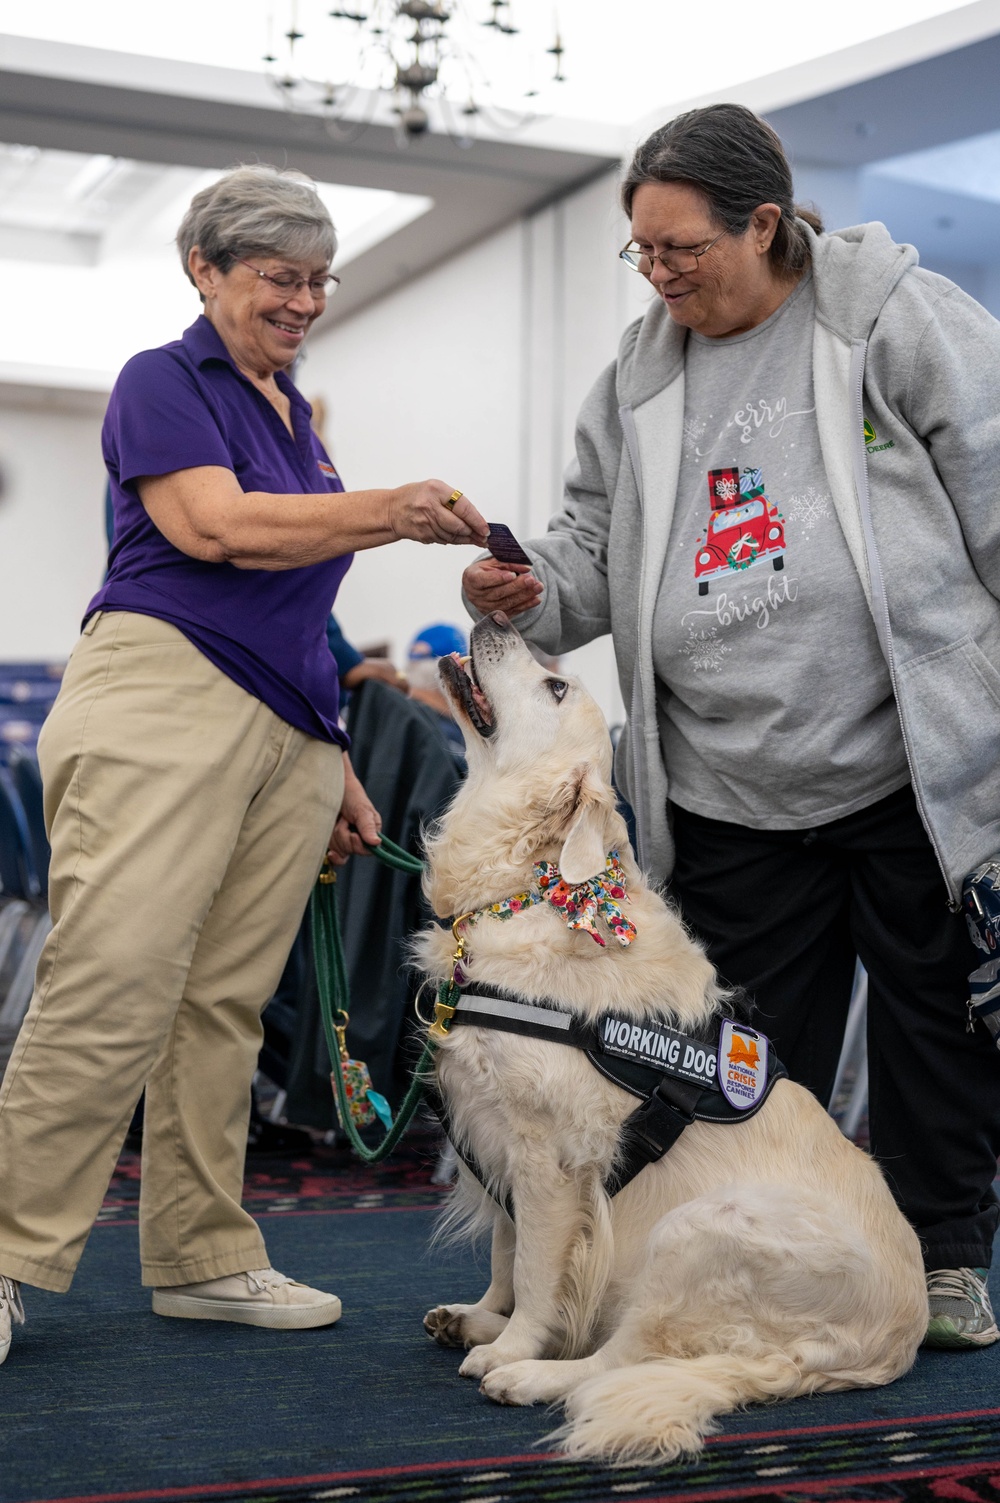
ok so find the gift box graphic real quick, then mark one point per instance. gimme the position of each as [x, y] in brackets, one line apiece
[724, 487]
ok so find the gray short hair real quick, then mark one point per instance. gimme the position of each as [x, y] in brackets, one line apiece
[257, 211]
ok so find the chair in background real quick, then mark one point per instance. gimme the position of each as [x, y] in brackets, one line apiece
[24, 916]
[18, 874]
[27, 692]
[28, 783]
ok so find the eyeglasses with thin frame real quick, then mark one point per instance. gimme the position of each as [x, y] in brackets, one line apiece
[680, 259]
[287, 282]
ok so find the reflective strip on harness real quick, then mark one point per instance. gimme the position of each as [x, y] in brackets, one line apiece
[521, 1012]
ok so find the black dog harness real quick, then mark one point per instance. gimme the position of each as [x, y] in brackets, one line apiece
[674, 1075]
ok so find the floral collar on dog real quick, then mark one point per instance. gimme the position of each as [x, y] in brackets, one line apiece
[599, 896]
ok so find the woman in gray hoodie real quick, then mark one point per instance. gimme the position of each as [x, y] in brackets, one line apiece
[782, 509]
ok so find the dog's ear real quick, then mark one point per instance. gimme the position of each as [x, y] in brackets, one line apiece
[583, 850]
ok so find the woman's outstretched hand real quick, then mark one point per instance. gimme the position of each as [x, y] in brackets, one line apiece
[358, 823]
[493, 586]
[421, 512]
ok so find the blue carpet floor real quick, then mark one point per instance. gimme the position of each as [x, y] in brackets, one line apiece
[102, 1400]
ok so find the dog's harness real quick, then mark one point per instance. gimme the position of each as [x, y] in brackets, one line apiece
[676, 1076]
[722, 1076]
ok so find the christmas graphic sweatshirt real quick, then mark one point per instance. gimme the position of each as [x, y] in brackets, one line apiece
[906, 371]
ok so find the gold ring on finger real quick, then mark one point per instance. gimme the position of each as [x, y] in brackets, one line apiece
[455, 496]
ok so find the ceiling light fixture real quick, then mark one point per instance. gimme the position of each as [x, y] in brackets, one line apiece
[431, 61]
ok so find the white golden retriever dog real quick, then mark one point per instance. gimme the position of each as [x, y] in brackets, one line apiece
[755, 1261]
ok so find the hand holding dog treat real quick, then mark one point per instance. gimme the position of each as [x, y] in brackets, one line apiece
[432, 512]
[493, 585]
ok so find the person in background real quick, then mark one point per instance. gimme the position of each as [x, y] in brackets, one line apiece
[353, 667]
[783, 510]
[195, 775]
[422, 656]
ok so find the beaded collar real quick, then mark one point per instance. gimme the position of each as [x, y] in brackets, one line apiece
[582, 903]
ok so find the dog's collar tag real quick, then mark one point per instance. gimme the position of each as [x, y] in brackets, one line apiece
[742, 1072]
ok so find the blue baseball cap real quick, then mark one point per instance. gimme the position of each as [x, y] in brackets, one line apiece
[437, 642]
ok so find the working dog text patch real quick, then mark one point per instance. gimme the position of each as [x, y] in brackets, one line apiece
[662, 1047]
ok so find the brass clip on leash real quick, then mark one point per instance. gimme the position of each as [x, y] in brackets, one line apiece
[447, 998]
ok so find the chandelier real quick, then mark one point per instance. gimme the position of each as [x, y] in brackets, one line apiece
[450, 63]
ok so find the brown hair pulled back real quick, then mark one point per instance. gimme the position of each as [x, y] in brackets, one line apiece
[737, 162]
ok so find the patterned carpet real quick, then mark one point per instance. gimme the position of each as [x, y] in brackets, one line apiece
[953, 1458]
[104, 1403]
[328, 1180]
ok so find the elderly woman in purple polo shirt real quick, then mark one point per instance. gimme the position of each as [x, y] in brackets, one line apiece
[195, 775]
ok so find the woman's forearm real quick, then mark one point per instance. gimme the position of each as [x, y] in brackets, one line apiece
[288, 532]
[206, 514]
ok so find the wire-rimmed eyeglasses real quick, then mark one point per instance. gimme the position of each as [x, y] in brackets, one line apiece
[288, 283]
[680, 259]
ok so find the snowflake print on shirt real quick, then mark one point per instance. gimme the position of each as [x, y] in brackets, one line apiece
[694, 431]
[704, 650]
[809, 509]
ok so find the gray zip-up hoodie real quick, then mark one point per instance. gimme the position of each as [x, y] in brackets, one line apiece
[914, 356]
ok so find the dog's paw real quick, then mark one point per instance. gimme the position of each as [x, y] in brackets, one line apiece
[511, 1384]
[463, 1325]
[480, 1361]
[526, 1383]
[445, 1324]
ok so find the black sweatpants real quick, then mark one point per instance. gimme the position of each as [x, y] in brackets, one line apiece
[784, 913]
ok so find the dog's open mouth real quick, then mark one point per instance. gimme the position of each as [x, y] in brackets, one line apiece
[459, 675]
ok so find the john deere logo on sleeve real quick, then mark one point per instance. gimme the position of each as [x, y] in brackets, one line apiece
[871, 440]
[742, 1064]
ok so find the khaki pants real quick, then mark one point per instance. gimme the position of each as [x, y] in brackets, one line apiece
[188, 823]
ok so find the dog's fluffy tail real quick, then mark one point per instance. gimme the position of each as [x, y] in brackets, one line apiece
[660, 1410]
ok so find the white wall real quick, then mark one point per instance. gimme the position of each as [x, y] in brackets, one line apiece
[474, 374]
[52, 550]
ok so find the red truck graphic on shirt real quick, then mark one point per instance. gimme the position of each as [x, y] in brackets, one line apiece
[744, 527]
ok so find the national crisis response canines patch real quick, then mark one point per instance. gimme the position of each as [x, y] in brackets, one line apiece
[742, 1072]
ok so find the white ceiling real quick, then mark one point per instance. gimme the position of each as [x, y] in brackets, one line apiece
[917, 148]
[622, 60]
[83, 208]
[109, 224]
[971, 167]
[954, 220]
[107, 221]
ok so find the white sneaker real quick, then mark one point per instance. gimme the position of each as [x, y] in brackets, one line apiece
[260, 1297]
[11, 1312]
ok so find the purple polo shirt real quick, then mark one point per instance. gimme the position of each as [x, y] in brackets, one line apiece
[186, 404]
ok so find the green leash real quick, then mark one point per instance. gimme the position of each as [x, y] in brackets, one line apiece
[331, 976]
